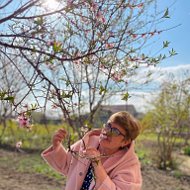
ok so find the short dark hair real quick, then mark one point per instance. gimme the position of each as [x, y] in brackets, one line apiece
[128, 123]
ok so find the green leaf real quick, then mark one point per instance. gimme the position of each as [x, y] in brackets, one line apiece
[67, 95]
[39, 21]
[57, 47]
[166, 14]
[9, 98]
[149, 74]
[67, 83]
[164, 57]
[50, 60]
[166, 44]
[172, 52]
[126, 96]
[33, 106]
[2, 95]
[102, 90]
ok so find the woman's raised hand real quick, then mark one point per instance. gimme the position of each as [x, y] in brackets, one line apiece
[58, 137]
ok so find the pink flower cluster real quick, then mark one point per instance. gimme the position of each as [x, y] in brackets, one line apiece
[140, 6]
[54, 106]
[24, 121]
[69, 3]
[100, 17]
[143, 35]
[97, 12]
[94, 6]
[117, 76]
[18, 144]
[109, 45]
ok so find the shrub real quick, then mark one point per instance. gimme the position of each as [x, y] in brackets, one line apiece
[187, 150]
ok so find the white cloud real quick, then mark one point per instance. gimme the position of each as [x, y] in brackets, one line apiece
[141, 98]
[159, 74]
[179, 72]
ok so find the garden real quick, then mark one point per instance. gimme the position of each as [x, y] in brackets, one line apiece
[62, 62]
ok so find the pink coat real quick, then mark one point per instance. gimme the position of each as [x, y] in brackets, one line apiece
[123, 168]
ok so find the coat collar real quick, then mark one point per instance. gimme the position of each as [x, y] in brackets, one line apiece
[91, 139]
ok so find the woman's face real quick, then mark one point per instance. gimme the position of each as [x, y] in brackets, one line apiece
[112, 136]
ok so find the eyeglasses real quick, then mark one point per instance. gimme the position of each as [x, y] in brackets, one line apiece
[112, 131]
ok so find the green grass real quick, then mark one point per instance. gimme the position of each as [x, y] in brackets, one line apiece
[144, 145]
[38, 138]
[30, 163]
[147, 136]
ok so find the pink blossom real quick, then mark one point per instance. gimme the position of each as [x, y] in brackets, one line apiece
[130, 6]
[102, 66]
[100, 17]
[116, 77]
[77, 61]
[64, 57]
[69, 3]
[87, 32]
[83, 19]
[94, 7]
[103, 20]
[134, 36]
[140, 5]
[53, 106]
[111, 34]
[152, 33]
[24, 122]
[50, 43]
[25, 106]
[18, 144]
[109, 45]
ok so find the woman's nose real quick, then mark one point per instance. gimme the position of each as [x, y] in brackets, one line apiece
[106, 132]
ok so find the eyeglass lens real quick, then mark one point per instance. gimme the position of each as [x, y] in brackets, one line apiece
[113, 131]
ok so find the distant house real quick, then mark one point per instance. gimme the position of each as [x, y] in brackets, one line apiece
[116, 108]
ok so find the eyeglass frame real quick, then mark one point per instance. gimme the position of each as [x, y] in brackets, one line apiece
[117, 132]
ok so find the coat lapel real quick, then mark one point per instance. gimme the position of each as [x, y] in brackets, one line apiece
[83, 164]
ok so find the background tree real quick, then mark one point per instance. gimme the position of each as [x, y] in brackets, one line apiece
[12, 86]
[169, 118]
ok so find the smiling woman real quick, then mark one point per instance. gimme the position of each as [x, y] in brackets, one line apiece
[103, 159]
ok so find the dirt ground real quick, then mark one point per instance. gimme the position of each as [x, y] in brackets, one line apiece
[153, 179]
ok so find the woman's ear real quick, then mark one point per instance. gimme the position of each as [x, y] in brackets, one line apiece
[126, 142]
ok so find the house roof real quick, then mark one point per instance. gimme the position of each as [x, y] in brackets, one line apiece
[116, 108]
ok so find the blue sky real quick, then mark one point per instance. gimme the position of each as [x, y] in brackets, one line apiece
[179, 39]
[179, 11]
[180, 36]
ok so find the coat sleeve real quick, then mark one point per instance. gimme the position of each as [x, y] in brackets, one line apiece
[128, 180]
[59, 159]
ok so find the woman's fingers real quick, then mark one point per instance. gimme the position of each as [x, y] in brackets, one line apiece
[91, 152]
[58, 137]
[62, 131]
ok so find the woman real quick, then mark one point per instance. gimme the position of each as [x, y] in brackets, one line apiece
[102, 160]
